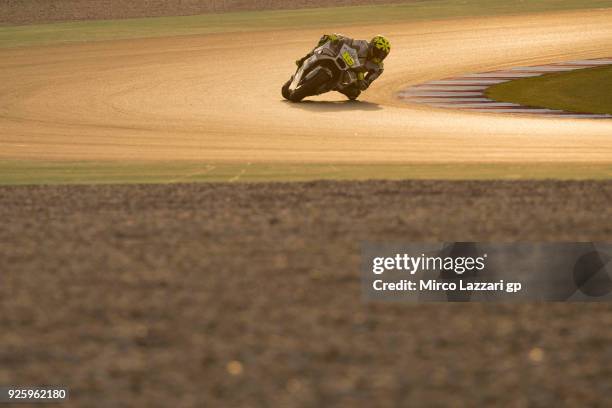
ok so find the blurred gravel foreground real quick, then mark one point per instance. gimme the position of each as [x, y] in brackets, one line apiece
[249, 295]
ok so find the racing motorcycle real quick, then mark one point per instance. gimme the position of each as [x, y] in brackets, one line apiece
[331, 67]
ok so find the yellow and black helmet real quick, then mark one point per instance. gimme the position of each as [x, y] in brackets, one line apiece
[380, 47]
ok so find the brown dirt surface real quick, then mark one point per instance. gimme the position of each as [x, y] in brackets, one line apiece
[249, 295]
[44, 11]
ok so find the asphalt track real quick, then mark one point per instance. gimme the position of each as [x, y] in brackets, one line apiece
[216, 98]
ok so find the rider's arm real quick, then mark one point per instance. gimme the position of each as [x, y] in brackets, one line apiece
[374, 71]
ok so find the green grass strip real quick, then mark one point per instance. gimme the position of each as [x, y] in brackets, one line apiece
[581, 91]
[14, 172]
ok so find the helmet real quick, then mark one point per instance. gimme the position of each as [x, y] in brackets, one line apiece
[380, 47]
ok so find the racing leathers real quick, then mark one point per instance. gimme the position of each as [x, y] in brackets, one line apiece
[370, 69]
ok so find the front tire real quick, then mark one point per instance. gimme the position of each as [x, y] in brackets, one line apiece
[310, 87]
[285, 90]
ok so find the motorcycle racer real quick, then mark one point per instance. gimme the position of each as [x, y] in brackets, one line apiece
[371, 55]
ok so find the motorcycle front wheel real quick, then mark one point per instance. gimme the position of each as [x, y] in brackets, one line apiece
[310, 87]
[285, 90]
